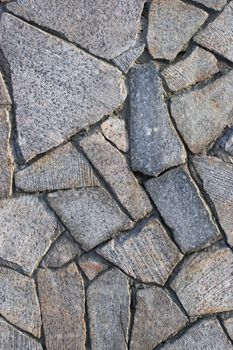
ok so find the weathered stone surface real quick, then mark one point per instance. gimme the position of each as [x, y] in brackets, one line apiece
[228, 323]
[65, 167]
[180, 203]
[156, 318]
[4, 95]
[18, 301]
[115, 170]
[154, 143]
[204, 284]
[223, 147]
[145, 253]
[127, 59]
[27, 229]
[108, 302]
[214, 4]
[206, 334]
[62, 299]
[201, 115]
[90, 214]
[217, 180]
[11, 338]
[58, 88]
[217, 36]
[92, 264]
[198, 66]
[114, 129]
[171, 25]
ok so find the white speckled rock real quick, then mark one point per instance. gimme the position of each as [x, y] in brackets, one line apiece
[114, 129]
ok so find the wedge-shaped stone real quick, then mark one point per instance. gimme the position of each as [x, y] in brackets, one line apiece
[157, 317]
[223, 147]
[201, 115]
[114, 129]
[5, 100]
[228, 323]
[92, 264]
[27, 228]
[171, 25]
[62, 299]
[154, 143]
[65, 167]
[127, 59]
[180, 203]
[108, 302]
[18, 301]
[58, 88]
[217, 36]
[213, 4]
[91, 215]
[145, 253]
[115, 170]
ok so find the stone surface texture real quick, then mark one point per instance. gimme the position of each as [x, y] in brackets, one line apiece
[5, 100]
[228, 323]
[223, 148]
[114, 129]
[92, 264]
[126, 60]
[217, 5]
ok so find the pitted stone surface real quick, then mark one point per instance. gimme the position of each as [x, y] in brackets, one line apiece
[213, 4]
[127, 59]
[4, 95]
[92, 264]
[114, 129]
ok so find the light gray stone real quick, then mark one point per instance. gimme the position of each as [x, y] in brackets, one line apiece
[114, 129]
[27, 229]
[202, 114]
[180, 203]
[127, 59]
[58, 88]
[213, 4]
[228, 323]
[154, 143]
[116, 172]
[18, 301]
[145, 253]
[65, 167]
[90, 214]
[4, 95]
[157, 317]
[62, 299]
[217, 36]
[92, 264]
[172, 23]
[108, 302]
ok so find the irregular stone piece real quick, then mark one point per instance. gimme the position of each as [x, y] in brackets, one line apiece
[27, 229]
[104, 28]
[228, 323]
[204, 284]
[108, 302]
[223, 148]
[206, 334]
[217, 36]
[154, 143]
[156, 318]
[145, 253]
[180, 203]
[171, 25]
[114, 129]
[58, 88]
[113, 167]
[92, 264]
[198, 66]
[90, 214]
[127, 59]
[213, 4]
[62, 299]
[201, 115]
[18, 301]
[11, 338]
[217, 180]
[65, 167]
[4, 95]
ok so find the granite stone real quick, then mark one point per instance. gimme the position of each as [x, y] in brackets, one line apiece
[92, 264]
[223, 148]
[227, 320]
[5, 100]
[127, 59]
[114, 129]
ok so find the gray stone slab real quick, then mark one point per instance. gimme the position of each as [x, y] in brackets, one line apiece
[145, 253]
[58, 88]
[108, 302]
[154, 143]
[4, 95]
[180, 203]
[117, 173]
[202, 114]
[172, 23]
[127, 59]
[228, 323]
[114, 129]
[92, 264]
[213, 4]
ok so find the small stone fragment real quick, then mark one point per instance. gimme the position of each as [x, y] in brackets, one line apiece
[202, 114]
[18, 301]
[116, 172]
[127, 59]
[198, 66]
[204, 284]
[92, 264]
[62, 299]
[65, 167]
[27, 228]
[145, 253]
[223, 147]
[4, 95]
[179, 201]
[90, 214]
[108, 301]
[228, 323]
[156, 318]
[213, 4]
[172, 23]
[217, 36]
[114, 129]
[154, 143]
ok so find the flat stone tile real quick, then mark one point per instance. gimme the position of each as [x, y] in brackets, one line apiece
[216, 5]
[228, 323]
[127, 59]
[92, 264]
[114, 129]
[5, 99]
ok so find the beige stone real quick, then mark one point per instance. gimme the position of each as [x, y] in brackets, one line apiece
[114, 129]
[5, 100]
[92, 264]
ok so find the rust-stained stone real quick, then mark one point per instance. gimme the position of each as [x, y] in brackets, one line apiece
[114, 129]
[227, 320]
[92, 264]
[62, 299]
[214, 4]
[4, 95]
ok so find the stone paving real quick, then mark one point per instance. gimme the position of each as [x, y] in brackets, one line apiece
[116, 175]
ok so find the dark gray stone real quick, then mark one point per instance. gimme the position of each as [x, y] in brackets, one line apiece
[223, 147]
